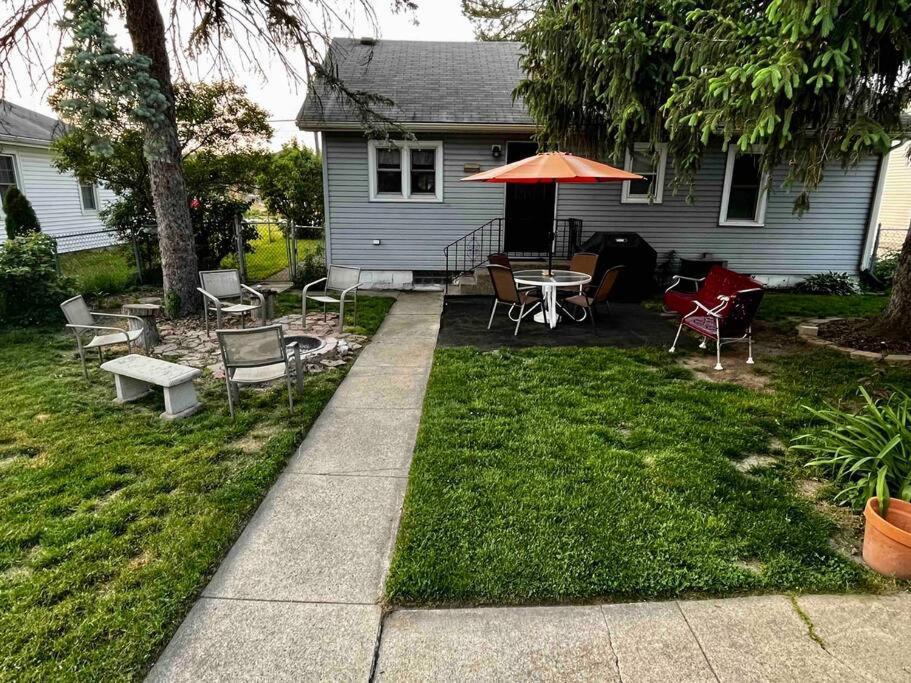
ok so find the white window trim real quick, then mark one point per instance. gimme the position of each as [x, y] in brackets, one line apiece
[16, 170]
[87, 211]
[658, 196]
[405, 146]
[761, 201]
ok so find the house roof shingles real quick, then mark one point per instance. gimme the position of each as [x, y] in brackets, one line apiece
[24, 125]
[429, 82]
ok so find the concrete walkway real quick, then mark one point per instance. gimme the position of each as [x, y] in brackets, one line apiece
[763, 638]
[297, 596]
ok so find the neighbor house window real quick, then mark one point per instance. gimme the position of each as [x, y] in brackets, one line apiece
[405, 170]
[650, 164]
[743, 199]
[7, 173]
[89, 197]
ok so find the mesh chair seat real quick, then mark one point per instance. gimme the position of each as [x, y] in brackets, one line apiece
[580, 300]
[528, 298]
[113, 338]
[239, 308]
[323, 298]
[262, 373]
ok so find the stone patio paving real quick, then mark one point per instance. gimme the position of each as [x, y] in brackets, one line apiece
[185, 341]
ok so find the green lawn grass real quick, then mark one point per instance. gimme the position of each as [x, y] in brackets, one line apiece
[100, 271]
[779, 307]
[576, 474]
[112, 520]
[269, 255]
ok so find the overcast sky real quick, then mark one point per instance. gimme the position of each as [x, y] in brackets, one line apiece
[434, 20]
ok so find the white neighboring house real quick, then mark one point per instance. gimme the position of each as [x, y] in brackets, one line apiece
[895, 209]
[64, 206]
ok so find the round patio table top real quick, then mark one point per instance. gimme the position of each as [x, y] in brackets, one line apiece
[553, 277]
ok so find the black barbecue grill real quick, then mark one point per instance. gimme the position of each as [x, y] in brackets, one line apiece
[637, 280]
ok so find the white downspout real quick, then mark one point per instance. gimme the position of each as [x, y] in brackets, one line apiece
[866, 256]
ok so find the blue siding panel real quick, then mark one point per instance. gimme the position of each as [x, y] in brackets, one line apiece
[829, 237]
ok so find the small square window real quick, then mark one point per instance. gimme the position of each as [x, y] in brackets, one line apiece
[650, 164]
[89, 197]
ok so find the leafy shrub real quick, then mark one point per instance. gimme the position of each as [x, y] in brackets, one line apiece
[214, 231]
[312, 267]
[31, 289]
[828, 283]
[20, 216]
[868, 453]
[884, 268]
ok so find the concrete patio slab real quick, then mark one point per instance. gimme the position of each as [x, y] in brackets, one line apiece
[315, 538]
[760, 638]
[653, 642]
[871, 632]
[395, 391]
[356, 441]
[242, 640]
[532, 643]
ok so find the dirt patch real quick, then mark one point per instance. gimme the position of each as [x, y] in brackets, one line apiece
[735, 370]
[253, 442]
[755, 462]
[848, 539]
[861, 334]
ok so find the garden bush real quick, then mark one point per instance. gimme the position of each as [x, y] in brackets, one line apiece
[828, 283]
[312, 266]
[867, 453]
[31, 288]
[20, 216]
[884, 268]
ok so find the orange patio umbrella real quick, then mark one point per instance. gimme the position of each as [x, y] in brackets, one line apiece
[554, 167]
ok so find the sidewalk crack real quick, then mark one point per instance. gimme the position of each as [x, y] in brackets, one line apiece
[698, 642]
[610, 643]
[376, 646]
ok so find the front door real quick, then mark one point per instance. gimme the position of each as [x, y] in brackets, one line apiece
[529, 207]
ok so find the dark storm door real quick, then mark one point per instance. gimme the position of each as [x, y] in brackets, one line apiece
[529, 208]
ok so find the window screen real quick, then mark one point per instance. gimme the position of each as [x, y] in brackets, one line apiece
[423, 171]
[7, 174]
[388, 170]
[746, 186]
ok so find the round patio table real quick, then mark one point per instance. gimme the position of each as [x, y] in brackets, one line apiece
[548, 281]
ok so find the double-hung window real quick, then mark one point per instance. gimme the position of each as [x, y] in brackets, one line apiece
[743, 199]
[405, 170]
[89, 196]
[7, 173]
[650, 164]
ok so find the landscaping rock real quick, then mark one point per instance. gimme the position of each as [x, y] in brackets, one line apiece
[898, 358]
[807, 330]
[864, 355]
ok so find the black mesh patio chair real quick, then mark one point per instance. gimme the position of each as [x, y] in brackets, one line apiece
[506, 292]
[588, 301]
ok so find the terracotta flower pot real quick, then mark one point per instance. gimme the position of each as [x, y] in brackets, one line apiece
[887, 541]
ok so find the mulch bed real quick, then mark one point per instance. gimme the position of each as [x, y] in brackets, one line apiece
[858, 333]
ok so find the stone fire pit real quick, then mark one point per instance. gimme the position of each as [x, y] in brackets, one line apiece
[185, 341]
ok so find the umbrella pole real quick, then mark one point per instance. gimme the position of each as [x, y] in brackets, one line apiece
[553, 231]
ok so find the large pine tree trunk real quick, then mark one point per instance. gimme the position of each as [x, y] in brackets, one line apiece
[169, 194]
[897, 317]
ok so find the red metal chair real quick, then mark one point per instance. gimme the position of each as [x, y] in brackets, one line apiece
[722, 309]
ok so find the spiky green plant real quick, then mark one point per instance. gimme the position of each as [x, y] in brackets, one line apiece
[868, 453]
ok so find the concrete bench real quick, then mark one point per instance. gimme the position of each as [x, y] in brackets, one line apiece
[134, 375]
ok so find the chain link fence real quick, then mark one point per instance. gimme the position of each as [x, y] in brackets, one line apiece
[890, 240]
[108, 261]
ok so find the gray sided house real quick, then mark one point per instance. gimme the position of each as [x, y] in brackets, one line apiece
[393, 207]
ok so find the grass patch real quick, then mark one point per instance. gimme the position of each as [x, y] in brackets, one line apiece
[782, 307]
[269, 255]
[575, 474]
[370, 310]
[112, 520]
[101, 271]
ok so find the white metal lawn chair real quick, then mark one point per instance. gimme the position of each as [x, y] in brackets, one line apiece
[341, 281]
[255, 356]
[224, 293]
[82, 322]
